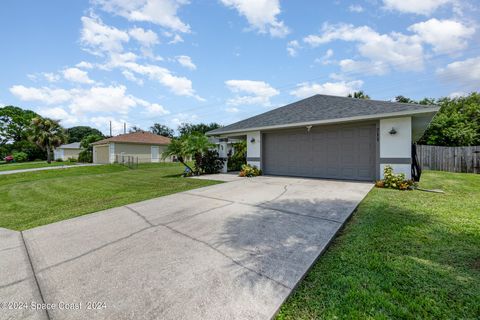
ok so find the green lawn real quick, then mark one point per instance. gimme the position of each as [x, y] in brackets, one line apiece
[30, 165]
[36, 198]
[408, 255]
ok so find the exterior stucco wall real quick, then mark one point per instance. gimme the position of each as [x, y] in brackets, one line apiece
[254, 149]
[142, 151]
[395, 149]
[65, 154]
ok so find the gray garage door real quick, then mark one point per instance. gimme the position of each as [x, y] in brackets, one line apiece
[337, 152]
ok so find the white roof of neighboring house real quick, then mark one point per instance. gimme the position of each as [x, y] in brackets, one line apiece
[73, 145]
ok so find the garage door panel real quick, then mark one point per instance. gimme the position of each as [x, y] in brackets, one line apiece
[342, 152]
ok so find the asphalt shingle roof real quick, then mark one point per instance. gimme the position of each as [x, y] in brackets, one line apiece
[140, 137]
[318, 108]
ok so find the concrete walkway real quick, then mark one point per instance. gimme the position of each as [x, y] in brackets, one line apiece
[229, 251]
[48, 168]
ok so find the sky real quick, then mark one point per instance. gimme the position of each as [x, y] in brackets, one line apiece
[89, 62]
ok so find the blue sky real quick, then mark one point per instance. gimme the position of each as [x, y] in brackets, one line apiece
[172, 61]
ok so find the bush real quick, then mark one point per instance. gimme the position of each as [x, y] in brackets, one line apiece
[72, 160]
[20, 156]
[85, 156]
[59, 160]
[394, 181]
[210, 162]
[239, 158]
[250, 171]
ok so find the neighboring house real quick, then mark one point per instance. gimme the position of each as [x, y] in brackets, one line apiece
[333, 137]
[144, 146]
[67, 151]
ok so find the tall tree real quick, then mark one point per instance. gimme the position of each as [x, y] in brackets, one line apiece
[47, 134]
[162, 130]
[403, 99]
[456, 124]
[86, 155]
[76, 134]
[14, 122]
[186, 129]
[359, 95]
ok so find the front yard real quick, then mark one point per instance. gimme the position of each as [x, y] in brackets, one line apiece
[409, 255]
[36, 198]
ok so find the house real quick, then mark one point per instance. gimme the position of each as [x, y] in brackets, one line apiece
[332, 137]
[141, 145]
[67, 151]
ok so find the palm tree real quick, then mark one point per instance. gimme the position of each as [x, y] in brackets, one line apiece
[47, 134]
[176, 148]
[195, 145]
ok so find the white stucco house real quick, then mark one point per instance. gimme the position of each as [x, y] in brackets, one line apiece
[140, 146]
[332, 137]
[67, 151]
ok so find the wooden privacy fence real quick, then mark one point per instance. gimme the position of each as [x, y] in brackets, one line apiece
[453, 159]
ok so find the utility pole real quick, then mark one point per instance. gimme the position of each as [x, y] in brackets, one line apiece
[110, 128]
[124, 128]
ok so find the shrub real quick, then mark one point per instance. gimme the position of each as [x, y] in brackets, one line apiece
[394, 181]
[59, 160]
[210, 162]
[85, 156]
[250, 171]
[72, 160]
[20, 156]
[239, 158]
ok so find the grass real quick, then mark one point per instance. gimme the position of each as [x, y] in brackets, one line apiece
[36, 198]
[409, 255]
[32, 164]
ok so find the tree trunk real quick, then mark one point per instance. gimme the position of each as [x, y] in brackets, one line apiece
[49, 159]
[186, 165]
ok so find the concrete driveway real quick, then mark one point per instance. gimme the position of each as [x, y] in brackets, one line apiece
[229, 251]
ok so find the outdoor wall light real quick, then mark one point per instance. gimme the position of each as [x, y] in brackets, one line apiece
[252, 140]
[309, 128]
[392, 131]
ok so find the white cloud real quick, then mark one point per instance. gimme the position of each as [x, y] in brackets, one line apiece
[464, 72]
[257, 92]
[103, 124]
[160, 12]
[146, 38]
[51, 77]
[326, 58]
[355, 8]
[232, 110]
[84, 65]
[58, 113]
[396, 50]
[446, 36]
[44, 94]
[152, 109]
[180, 118]
[292, 48]
[425, 7]
[261, 15]
[77, 75]
[342, 88]
[100, 38]
[130, 76]
[186, 61]
[364, 67]
[111, 99]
